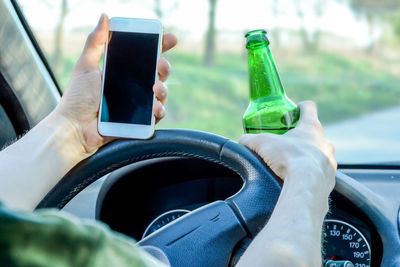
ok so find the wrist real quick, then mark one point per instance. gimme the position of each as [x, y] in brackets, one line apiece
[68, 135]
[53, 148]
[314, 172]
[309, 173]
[312, 186]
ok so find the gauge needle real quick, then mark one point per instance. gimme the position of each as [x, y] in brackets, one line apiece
[331, 258]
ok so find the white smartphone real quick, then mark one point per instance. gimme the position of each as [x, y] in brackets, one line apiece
[129, 72]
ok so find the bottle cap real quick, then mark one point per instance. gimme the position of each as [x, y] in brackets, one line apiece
[256, 38]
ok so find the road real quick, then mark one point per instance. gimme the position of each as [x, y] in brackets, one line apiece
[373, 137]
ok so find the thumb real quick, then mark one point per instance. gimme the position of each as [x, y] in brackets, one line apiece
[94, 44]
[308, 112]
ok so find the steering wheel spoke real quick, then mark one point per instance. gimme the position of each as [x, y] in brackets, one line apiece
[204, 237]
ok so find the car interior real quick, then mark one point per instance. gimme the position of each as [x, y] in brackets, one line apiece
[188, 194]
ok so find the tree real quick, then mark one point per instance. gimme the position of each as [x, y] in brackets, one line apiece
[374, 12]
[158, 9]
[56, 58]
[310, 40]
[160, 12]
[59, 35]
[397, 25]
[209, 54]
[275, 32]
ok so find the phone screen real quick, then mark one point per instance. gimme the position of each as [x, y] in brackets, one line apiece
[129, 77]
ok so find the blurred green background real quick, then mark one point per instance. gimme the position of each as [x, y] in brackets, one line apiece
[343, 54]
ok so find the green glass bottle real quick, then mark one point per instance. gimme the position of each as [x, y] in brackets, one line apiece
[270, 110]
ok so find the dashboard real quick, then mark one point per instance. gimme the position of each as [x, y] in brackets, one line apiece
[141, 198]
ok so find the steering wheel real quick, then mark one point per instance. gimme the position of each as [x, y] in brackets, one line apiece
[208, 235]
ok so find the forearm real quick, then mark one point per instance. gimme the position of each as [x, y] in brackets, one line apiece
[292, 236]
[32, 166]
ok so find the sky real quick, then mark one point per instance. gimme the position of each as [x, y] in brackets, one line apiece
[191, 16]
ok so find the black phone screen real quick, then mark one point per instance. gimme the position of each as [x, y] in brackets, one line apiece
[129, 77]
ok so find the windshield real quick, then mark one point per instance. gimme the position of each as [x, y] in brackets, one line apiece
[342, 54]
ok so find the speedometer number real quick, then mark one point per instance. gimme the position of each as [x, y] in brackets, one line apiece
[345, 244]
[354, 245]
[334, 232]
[347, 237]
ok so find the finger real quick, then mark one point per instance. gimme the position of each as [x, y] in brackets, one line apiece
[255, 141]
[331, 148]
[164, 69]
[168, 42]
[161, 91]
[159, 110]
[94, 44]
[246, 139]
[308, 112]
[92, 139]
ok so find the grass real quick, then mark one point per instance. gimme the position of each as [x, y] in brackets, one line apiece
[214, 98]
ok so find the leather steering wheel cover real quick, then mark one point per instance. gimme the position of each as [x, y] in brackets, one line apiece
[255, 201]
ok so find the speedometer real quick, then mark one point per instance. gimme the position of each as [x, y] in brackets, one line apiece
[344, 245]
[163, 220]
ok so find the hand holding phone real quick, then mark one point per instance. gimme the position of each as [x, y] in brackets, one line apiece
[80, 102]
[131, 55]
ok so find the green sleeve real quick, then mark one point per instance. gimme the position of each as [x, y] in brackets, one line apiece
[56, 239]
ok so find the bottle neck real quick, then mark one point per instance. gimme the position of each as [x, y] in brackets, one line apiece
[263, 75]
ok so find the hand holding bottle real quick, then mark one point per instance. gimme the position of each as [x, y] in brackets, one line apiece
[303, 152]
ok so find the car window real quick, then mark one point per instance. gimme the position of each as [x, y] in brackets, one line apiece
[343, 54]
[7, 132]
